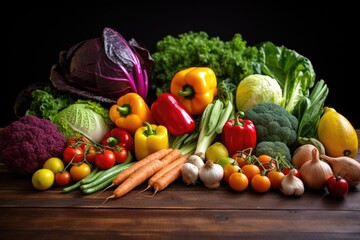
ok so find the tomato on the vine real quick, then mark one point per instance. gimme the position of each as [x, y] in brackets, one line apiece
[76, 141]
[90, 153]
[250, 170]
[62, 178]
[228, 170]
[121, 154]
[267, 162]
[106, 159]
[275, 177]
[241, 158]
[238, 181]
[78, 172]
[76, 154]
[260, 183]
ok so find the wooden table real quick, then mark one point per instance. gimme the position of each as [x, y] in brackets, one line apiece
[179, 212]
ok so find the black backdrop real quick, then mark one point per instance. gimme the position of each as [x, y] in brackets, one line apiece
[35, 36]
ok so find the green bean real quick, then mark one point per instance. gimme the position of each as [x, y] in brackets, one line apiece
[78, 184]
[109, 173]
[98, 187]
[93, 177]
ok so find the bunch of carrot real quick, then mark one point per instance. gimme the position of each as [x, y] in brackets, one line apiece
[161, 168]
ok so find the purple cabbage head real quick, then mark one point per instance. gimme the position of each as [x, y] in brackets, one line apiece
[104, 68]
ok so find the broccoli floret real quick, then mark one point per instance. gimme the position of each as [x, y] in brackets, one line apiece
[27, 143]
[273, 149]
[273, 123]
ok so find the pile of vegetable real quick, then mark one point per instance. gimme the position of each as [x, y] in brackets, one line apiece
[223, 113]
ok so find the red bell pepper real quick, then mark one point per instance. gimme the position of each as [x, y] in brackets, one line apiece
[239, 134]
[119, 137]
[171, 114]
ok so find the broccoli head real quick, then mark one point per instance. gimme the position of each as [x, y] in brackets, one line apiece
[273, 123]
[273, 149]
[28, 142]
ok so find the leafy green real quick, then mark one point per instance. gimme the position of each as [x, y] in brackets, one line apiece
[228, 59]
[293, 71]
[47, 103]
[86, 117]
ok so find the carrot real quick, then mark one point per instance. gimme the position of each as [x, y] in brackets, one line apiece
[158, 155]
[173, 155]
[169, 167]
[169, 177]
[137, 178]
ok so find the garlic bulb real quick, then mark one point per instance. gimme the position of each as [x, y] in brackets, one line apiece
[211, 174]
[291, 185]
[315, 172]
[196, 160]
[190, 173]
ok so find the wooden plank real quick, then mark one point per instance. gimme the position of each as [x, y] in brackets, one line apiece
[180, 224]
[178, 196]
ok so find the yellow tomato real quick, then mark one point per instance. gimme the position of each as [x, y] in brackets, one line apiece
[337, 134]
[43, 179]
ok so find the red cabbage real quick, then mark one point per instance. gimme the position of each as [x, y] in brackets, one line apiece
[103, 69]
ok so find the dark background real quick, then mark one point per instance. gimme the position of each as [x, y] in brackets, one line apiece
[35, 36]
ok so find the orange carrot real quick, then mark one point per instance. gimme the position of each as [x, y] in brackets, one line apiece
[158, 155]
[137, 178]
[165, 169]
[169, 177]
[172, 156]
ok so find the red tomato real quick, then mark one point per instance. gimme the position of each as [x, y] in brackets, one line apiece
[90, 153]
[121, 154]
[74, 154]
[267, 162]
[285, 171]
[106, 159]
[62, 178]
[78, 172]
[77, 142]
[337, 186]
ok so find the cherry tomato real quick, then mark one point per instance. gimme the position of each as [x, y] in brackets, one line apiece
[285, 171]
[250, 170]
[241, 158]
[62, 178]
[106, 159]
[275, 178]
[76, 141]
[260, 183]
[238, 181]
[78, 172]
[267, 162]
[337, 186]
[228, 170]
[90, 153]
[76, 154]
[121, 154]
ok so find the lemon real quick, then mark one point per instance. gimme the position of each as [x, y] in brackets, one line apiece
[216, 151]
[43, 179]
[54, 164]
[337, 134]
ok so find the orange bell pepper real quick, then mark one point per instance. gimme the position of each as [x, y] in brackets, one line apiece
[130, 111]
[194, 88]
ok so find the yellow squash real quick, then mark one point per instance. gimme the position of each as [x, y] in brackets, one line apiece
[337, 134]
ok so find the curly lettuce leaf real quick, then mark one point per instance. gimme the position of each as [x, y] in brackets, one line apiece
[294, 72]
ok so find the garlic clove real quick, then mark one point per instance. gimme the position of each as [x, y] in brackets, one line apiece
[190, 173]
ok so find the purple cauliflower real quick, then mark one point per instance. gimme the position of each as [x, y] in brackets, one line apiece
[28, 142]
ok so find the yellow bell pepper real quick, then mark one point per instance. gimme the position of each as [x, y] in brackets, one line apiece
[194, 88]
[150, 139]
[130, 111]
